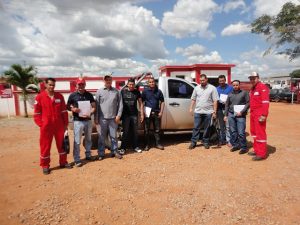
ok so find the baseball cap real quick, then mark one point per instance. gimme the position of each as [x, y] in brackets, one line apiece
[254, 74]
[107, 76]
[80, 80]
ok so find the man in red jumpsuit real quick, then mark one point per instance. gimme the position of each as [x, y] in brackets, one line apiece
[51, 115]
[259, 110]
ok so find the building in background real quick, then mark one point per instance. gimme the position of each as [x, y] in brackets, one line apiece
[192, 72]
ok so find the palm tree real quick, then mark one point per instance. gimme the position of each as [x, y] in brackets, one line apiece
[22, 77]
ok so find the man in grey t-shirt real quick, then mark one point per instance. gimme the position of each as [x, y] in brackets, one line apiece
[205, 100]
[109, 107]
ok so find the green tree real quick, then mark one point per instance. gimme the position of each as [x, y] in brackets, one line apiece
[22, 77]
[282, 30]
[295, 74]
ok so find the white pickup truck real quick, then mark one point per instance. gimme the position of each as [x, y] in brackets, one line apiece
[176, 117]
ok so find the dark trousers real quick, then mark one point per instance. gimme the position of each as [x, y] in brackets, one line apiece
[130, 127]
[200, 119]
[155, 120]
[222, 131]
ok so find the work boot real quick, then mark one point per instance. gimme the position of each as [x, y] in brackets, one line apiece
[243, 151]
[234, 149]
[67, 166]
[257, 158]
[89, 158]
[252, 153]
[46, 171]
[192, 146]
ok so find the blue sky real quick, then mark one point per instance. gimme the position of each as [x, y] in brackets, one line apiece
[95, 37]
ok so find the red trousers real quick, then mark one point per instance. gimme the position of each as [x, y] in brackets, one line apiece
[46, 137]
[258, 132]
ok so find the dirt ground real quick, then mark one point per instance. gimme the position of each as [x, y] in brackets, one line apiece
[174, 186]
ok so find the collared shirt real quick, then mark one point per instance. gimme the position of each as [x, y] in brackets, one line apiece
[109, 103]
[205, 98]
[73, 100]
[259, 99]
[226, 90]
[153, 98]
[130, 99]
[239, 97]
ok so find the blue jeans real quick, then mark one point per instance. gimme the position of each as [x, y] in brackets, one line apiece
[107, 126]
[80, 127]
[237, 127]
[204, 120]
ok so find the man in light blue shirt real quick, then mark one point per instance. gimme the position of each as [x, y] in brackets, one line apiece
[203, 106]
[224, 90]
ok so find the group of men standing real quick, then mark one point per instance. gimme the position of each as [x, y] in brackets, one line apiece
[227, 104]
[109, 107]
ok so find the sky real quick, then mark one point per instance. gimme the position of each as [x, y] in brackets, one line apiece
[127, 37]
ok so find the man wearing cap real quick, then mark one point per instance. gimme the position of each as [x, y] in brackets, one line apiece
[259, 109]
[51, 115]
[82, 105]
[109, 107]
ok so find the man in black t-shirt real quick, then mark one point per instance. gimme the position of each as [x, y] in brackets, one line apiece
[131, 96]
[82, 104]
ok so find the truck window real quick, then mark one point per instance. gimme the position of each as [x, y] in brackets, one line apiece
[179, 89]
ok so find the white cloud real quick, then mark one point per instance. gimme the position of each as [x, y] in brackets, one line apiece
[234, 4]
[234, 29]
[68, 34]
[270, 7]
[191, 50]
[190, 18]
[268, 65]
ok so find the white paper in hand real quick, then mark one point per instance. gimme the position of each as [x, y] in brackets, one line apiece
[85, 108]
[238, 108]
[147, 111]
[223, 98]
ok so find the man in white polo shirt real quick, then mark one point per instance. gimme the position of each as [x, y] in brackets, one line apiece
[203, 106]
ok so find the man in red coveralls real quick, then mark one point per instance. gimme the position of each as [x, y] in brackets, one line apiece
[51, 115]
[259, 110]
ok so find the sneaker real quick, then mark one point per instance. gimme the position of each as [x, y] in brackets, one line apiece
[159, 146]
[46, 171]
[78, 164]
[192, 146]
[121, 151]
[147, 148]
[100, 157]
[137, 149]
[118, 156]
[67, 166]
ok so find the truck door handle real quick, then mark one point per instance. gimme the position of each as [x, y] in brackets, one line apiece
[174, 104]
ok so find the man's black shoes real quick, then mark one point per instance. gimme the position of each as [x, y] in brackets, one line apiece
[234, 149]
[243, 151]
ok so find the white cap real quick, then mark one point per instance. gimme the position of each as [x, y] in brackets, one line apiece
[254, 74]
